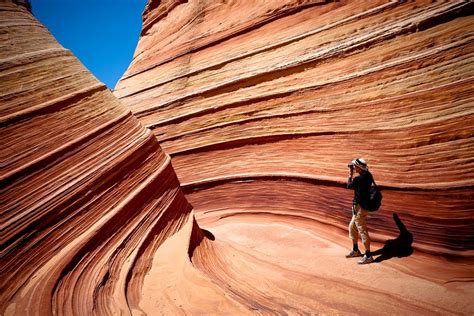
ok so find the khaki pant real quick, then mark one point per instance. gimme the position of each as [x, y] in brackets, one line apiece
[358, 226]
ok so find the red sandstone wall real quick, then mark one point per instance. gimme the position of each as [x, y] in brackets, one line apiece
[262, 106]
[87, 194]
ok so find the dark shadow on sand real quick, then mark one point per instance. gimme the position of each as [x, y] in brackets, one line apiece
[398, 247]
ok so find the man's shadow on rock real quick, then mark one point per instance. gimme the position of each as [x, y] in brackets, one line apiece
[398, 247]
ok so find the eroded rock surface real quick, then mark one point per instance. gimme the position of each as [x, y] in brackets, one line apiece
[292, 90]
[261, 106]
[87, 194]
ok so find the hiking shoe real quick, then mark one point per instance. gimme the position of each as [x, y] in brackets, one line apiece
[366, 260]
[354, 254]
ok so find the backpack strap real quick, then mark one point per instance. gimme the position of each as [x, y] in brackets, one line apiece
[373, 181]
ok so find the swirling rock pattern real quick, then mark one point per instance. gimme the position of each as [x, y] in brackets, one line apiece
[292, 90]
[87, 194]
[261, 106]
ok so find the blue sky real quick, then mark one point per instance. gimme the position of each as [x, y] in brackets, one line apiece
[103, 34]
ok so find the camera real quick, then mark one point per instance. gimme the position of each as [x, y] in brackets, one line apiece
[350, 165]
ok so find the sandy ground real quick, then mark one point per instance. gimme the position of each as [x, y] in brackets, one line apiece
[265, 267]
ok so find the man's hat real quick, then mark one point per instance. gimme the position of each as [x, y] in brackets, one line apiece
[359, 162]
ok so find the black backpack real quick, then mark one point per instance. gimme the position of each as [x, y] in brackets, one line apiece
[375, 198]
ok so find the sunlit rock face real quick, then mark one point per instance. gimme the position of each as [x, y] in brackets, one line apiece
[87, 194]
[261, 105]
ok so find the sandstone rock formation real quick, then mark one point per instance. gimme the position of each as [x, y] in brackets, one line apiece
[87, 194]
[292, 90]
[260, 106]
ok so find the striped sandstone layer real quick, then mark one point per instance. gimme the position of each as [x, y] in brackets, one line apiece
[94, 221]
[293, 91]
[261, 105]
[87, 194]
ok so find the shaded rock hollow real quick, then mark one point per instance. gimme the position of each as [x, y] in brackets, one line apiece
[260, 107]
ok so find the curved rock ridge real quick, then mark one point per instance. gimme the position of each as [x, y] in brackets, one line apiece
[261, 107]
[87, 194]
[293, 90]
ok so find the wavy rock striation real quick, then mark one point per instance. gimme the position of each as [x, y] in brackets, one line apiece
[292, 90]
[259, 106]
[87, 194]
[262, 106]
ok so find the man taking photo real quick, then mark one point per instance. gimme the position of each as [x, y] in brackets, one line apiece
[361, 185]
